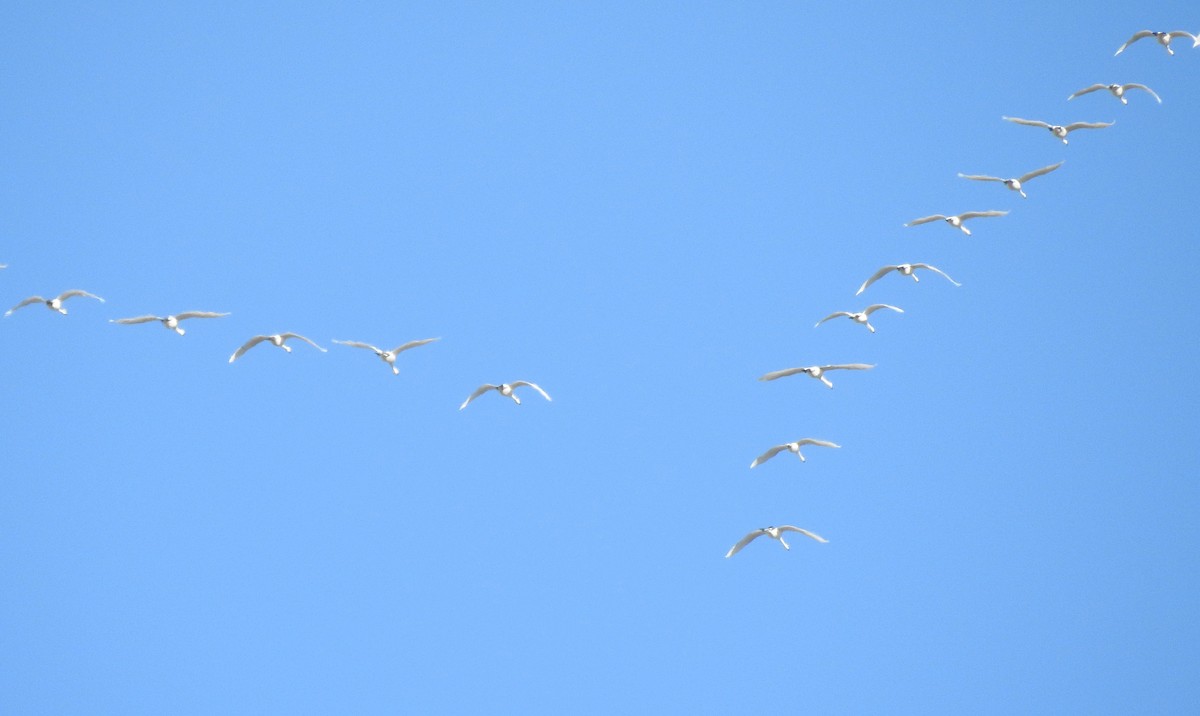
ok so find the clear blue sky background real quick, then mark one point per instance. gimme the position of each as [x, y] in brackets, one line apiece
[642, 209]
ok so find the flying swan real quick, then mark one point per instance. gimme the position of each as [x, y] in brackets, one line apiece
[389, 357]
[505, 389]
[277, 339]
[171, 322]
[773, 532]
[1017, 184]
[54, 304]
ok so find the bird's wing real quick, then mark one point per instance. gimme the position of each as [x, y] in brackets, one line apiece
[356, 344]
[848, 366]
[1086, 90]
[875, 277]
[1087, 125]
[806, 533]
[977, 214]
[979, 177]
[937, 271]
[782, 373]
[414, 344]
[1029, 122]
[1136, 36]
[1038, 172]
[822, 443]
[286, 336]
[78, 292]
[1144, 88]
[26, 302]
[927, 219]
[247, 346]
[767, 455]
[518, 383]
[743, 542]
[198, 314]
[131, 321]
[876, 306]
[835, 314]
[478, 392]
[1181, 33]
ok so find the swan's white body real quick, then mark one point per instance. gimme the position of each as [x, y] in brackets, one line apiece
[861, 317]
[1059, 130]
[277, 339]
[816, 371]
[1164, 39]
[505, 389]
[389, 357]
[774, 533]
[793, 447]
[904, 270]
[54, 304]
[171, 322]
[1116, 90]
[1016, 184]
[957, 220]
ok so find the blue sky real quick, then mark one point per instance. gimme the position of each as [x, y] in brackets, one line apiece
[642, 209]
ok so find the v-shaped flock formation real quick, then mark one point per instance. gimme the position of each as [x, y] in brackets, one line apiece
[818, 372]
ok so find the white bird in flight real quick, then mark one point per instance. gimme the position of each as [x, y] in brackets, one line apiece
[774, 532]
[277, 339]
[905, 270]
[1014, 184]
[505, 389]
[1164, 39]
[862, 316]
[957, 220]
[54, 304]
[816, 371]
[389, 357]
[1058, 130]
[171, 322]
[1117, 91]
[793, 447]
